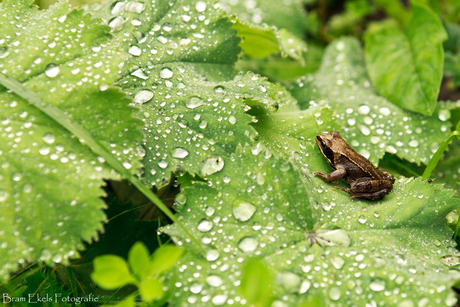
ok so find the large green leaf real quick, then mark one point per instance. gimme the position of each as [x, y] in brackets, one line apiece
[319, 243]
[408, 71]
[371, 124]
[49, 196]
[180, 73]
[284, 15]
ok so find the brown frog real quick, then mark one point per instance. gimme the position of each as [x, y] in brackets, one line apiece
[365, 179]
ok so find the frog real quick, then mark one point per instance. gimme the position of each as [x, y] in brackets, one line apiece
[366, 180]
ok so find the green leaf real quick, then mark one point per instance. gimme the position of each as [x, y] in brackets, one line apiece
[151, 289]
[371, 124]
[127, 302]
[261, 41]
[290, 16]
[408, 71]
[182, 78]
[317, 242]
[256, 284]
[395, 9]
[49, 199]
[353, 16]
[138, 259]
[111, 272]
[164, 259]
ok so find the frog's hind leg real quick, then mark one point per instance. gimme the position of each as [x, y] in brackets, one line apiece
[371, 195]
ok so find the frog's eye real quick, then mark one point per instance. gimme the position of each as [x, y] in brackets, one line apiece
[328, 153]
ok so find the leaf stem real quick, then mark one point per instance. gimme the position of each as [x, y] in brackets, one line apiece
[434, 161]
[60, 117]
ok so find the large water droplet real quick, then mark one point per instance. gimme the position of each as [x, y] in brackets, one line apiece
[377, 285]
[304, 286]
[214, 281]
[166, 73]
[200, 6]
[248, 244]
[135, 50]
[143, 96]
[194, 102]
[205, 225]
[219, 299]
[179, 153]
[337, 262]
[243, 211]
[3, 195]
[334, 293]
[196, 288]
[48, 138]
[289, 281]
[213, 165]
[212, 255]
[52, 70]
[163, 164]
[116, 23]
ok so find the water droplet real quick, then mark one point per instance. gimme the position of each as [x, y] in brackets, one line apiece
[179, 153]
[248, 244]
[364, 110]
[305, 286]
[117, 8]
[205, 225]
[405, 303]
[377, 285]
[166, 73]
[135, 50]
[116, 23]
[194, 102]
[362, 219]
[334, 293]
[413, 143]
[203, 124]
[143, 96]
[219, 299]
[444, 115]
[232, 120]
[212, 255]
[219, 90]
[52, 70]
[243, 211]
[16, 176]
[181, 199]
[163, 164]
[3, 195]
[213, 165]
[337, 262]
[200, 6]
[27, 188]
[289, 281]
[364, 129]
[214, 281]
[48, 138]
[134, 7]
[385, 111]
[196, 288]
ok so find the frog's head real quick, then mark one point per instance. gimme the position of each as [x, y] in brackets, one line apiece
[325, 142]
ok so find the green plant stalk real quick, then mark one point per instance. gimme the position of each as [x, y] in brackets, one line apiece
[434, 161]
[73, 286]
[60, 117]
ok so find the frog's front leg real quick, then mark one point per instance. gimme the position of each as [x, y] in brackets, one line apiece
[339, 173]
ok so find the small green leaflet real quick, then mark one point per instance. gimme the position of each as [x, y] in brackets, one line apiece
[49, 198]
[318, 243]
[371, 124]
[408, 71]
[180, 74]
